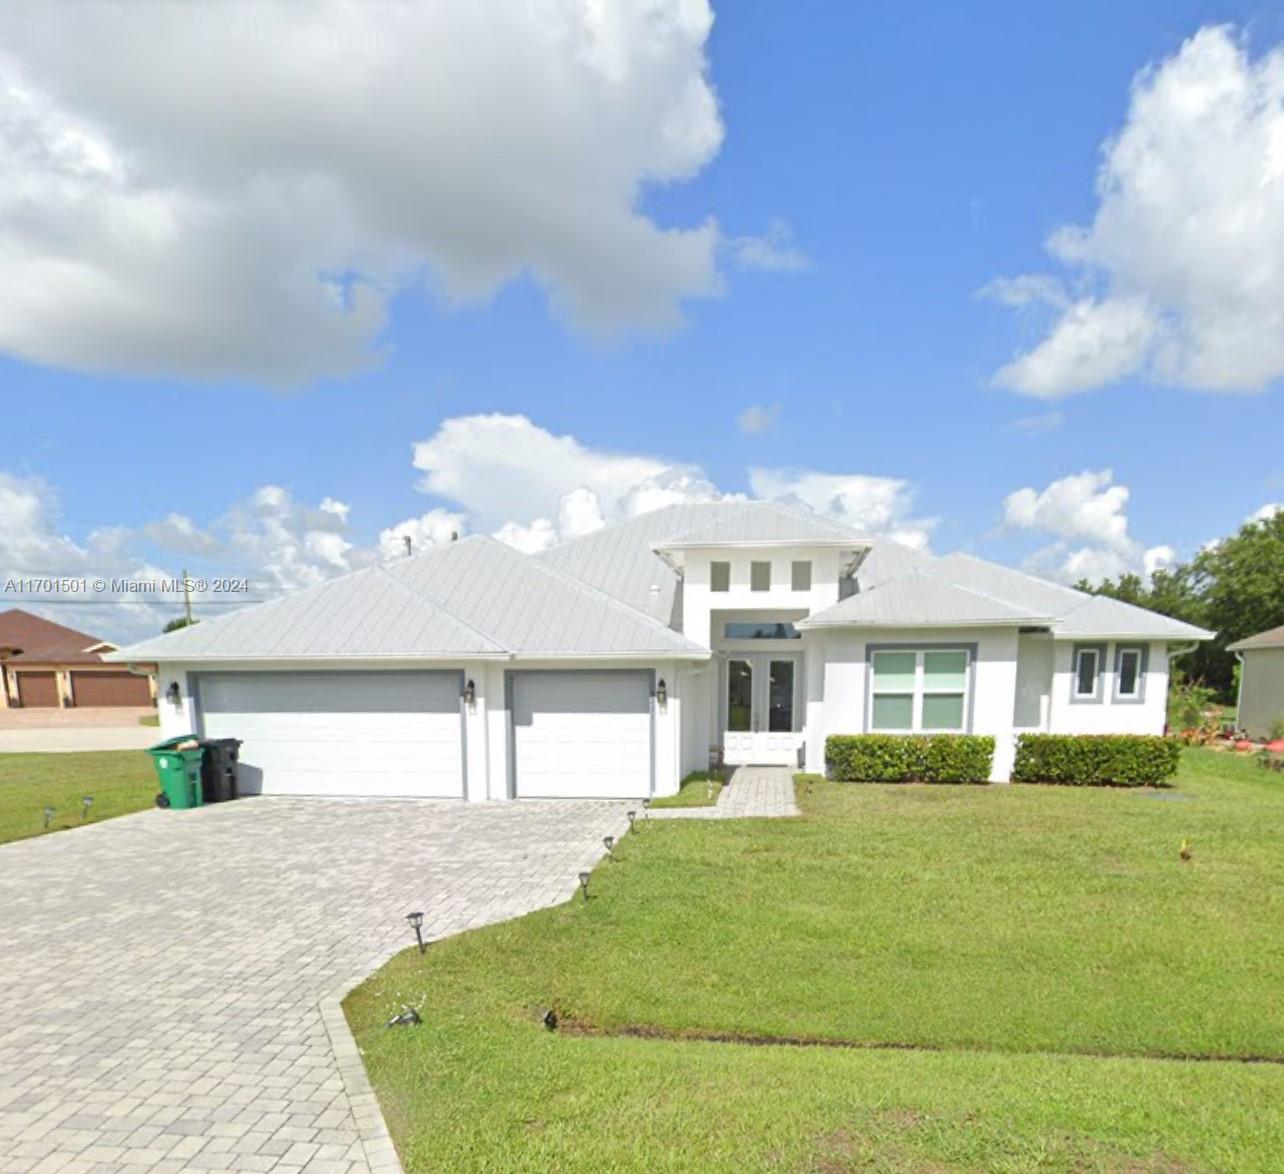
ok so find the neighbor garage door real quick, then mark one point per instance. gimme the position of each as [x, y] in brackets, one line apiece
[114, 688]
[340, 733]
[582, 734]
[37, 690]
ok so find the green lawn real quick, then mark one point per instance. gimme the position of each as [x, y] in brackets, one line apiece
[700, 789]
[120, 781]
[1016, 965]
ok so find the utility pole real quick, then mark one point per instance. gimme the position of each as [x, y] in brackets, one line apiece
[187, 596]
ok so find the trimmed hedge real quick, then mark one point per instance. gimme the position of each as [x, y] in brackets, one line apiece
[908, 758]
[1096, 760]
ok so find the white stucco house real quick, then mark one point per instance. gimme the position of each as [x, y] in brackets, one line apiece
[614, 664]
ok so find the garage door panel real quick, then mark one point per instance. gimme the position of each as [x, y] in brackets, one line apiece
[340, 733]
[109, 688]
[582, 734]
[37, 690]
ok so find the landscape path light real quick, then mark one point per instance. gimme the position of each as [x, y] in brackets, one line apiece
[416, 921]
[584, 880]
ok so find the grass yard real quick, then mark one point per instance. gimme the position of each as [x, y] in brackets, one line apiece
[1017, 978]
[120, 781]
[699, 789]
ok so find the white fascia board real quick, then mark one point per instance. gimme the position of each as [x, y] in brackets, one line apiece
[658, 654]
[913, 625]
[766, 544]
[319, 659]
[1139, 637]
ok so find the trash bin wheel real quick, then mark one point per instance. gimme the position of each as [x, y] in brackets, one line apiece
[162, 800]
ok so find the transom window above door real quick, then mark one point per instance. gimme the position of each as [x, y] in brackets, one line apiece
[919, 690]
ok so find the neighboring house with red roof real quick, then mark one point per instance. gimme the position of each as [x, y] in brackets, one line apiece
[46, 665]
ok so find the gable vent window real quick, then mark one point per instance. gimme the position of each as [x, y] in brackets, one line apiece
[800, 576]
[719, 576]
[759, 576]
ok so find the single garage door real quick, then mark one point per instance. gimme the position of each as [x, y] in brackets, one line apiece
[313, 733]
[113, 688]
[37, 690]
[584, 735]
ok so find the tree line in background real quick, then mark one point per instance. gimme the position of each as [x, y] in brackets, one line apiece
[1234, 587]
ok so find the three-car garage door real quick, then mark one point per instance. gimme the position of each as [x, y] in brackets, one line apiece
[581, 734]
[340, 733]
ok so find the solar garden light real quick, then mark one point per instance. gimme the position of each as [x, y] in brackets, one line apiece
[584, 880]
[609, 841]
[416, 921]
[632, 816]
[646, 808]
[49, 814]
[86, 802]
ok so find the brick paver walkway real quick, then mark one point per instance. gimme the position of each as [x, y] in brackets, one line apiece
[755, 792]
[168, 979]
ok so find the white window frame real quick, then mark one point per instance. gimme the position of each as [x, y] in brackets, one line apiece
[1138, 696]
[919, 691]
[1099, 653]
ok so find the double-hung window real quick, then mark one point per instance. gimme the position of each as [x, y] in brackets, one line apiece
[1130, 669]
[1087, 673]
[919, 690]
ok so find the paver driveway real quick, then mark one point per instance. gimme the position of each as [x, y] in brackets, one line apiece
[160, 974]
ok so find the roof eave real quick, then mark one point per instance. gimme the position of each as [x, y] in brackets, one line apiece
[1016, 622]
[763, 544]
[1197, 634]
[302, 658]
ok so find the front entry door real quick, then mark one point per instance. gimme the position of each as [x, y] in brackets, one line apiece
[761, 705]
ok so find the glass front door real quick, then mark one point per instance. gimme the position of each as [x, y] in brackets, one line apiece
[761, 710]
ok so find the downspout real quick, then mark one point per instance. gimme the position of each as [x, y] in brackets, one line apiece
[1239, 691]
[1169, 653]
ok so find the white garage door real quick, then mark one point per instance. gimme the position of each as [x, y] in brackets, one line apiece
[340, 733]
[582, 734]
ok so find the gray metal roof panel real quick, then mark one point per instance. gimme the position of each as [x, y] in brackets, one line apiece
[762, 522]
[1073, 612]
[368, 613]
[920, 600]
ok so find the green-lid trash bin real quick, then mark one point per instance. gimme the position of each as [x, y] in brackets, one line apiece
[178, 771]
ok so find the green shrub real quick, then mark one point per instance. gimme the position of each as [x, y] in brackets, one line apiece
[1095, 760]
[908, 758]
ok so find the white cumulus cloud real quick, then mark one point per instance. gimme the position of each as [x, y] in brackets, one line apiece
[214, 190]
[1089, 508]
[872, 505]
[775, 251]
[1180, 276]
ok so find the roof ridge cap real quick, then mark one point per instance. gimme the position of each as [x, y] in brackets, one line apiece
[420, 593]
[575, 581]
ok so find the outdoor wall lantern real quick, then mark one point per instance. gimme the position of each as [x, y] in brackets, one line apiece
[661, 693]
[470, 693]
[416, 921]
[174, 693]
[584, 880]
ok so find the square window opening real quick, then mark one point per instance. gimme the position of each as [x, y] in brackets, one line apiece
[759, 576]
[800, 575]
[719, 576]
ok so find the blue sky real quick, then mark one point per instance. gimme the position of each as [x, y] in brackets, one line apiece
[870, 171]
